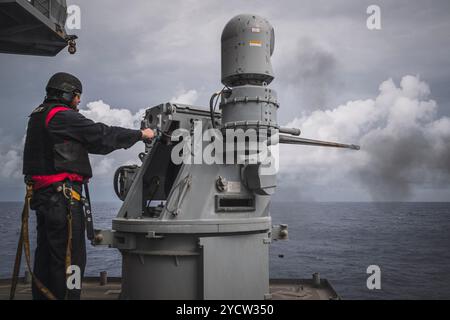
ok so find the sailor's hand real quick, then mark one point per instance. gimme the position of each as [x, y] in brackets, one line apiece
[147, 134]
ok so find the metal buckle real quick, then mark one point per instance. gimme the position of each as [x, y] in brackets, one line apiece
[67, 189]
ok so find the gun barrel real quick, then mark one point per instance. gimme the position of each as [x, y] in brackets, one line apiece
[291, 131]
[310, 142]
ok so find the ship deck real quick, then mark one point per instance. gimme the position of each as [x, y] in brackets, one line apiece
[280, 289]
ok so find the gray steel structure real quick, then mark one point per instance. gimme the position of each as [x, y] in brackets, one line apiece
[34, 27]
[202, 231]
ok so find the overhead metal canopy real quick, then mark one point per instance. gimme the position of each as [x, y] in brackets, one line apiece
[34, 27]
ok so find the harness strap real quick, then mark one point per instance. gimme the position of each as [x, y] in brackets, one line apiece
[24, 243]
[69, 245]
[52, 113]
[69, 193]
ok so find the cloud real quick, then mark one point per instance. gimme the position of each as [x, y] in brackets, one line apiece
[403, 143]
[99, 111]
[10, 164]
[185, 97]
[10, 157]
[103, 166]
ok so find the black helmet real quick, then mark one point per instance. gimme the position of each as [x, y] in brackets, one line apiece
[64, 82]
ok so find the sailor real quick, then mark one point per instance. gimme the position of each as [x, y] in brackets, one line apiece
[56, 165]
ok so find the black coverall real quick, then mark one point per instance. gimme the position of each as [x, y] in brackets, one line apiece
[51, 206]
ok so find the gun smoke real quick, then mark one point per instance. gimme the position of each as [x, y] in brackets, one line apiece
[403, 143]
[311, 75]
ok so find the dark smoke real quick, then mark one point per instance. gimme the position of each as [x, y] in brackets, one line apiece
[312, 74]
[405, 147]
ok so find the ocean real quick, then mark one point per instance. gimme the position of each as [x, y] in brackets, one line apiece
[410, 242]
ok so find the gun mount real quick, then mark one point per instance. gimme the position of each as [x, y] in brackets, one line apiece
[199, 230]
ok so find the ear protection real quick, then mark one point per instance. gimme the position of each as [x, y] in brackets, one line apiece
[68, 96]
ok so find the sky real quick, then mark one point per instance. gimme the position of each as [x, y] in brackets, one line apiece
[386, 90]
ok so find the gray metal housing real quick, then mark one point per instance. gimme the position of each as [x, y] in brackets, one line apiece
[248, 42]
[34, 27]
